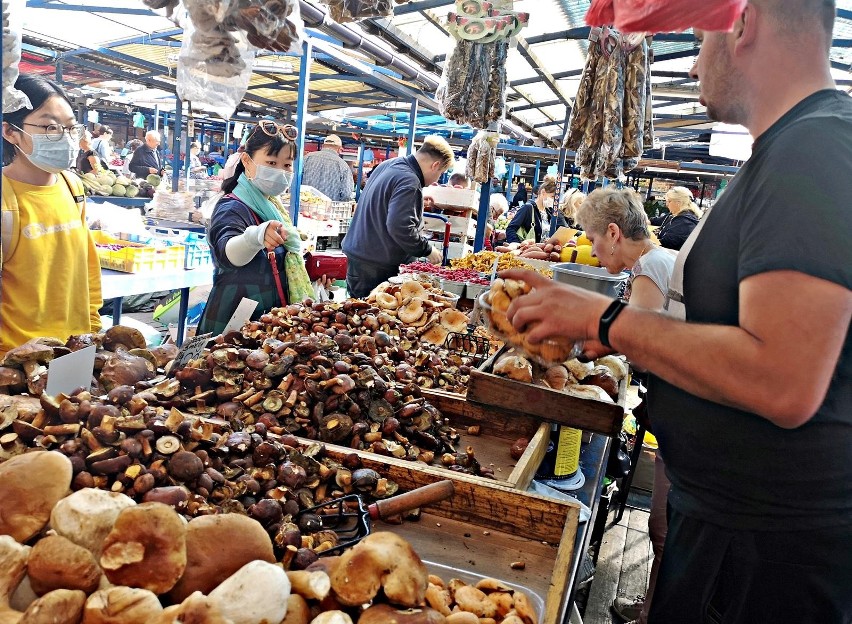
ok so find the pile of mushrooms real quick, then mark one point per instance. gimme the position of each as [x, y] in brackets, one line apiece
[97, 557]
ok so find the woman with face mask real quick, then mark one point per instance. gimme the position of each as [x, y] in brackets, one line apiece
[256, 250]
[532, 220]
[50, 276]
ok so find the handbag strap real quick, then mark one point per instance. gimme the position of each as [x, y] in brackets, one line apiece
[270, 256]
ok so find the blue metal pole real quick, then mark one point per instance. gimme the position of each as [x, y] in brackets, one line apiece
[360, 171]
[176, 144]
[560, 169]
[225, 139]
[412, 128]
[509, 176]
[301, 124]
[535, 176]
[482, 217]
[156, 117]
[387, 152]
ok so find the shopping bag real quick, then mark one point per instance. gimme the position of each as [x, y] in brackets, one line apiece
[664, 15]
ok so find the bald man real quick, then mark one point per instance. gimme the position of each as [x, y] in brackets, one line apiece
[752, 363]
[146, 159]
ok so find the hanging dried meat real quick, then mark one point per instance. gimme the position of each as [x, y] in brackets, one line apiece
[343, 11]
[612, 110]
[473, 86]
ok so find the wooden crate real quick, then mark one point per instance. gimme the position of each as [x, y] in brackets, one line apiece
[485, 527]
[551, 405]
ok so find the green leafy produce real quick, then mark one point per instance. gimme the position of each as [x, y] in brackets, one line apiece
[119, 190]
[154, 180]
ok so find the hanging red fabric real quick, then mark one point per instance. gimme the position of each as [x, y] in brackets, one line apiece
[654, 16]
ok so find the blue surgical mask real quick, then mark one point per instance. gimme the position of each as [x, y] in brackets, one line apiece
[271, 181]
[51, 156]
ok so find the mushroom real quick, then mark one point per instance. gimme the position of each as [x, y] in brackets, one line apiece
[29, 356]
[58, 563]
[61, 606]
[257, 592]
[212, 553]
[602, 377]
[298, 610]
[386, 301]
[197, 609]
[435, 335]
[146, 548]
[616, 365]
[122, 605]
[411, 310]
[386, 614]
[412, 288]
[454, 320]
[30, 485]
[380, 561]
[332, 617]
[121, 336]
[314, 585]
[10, 377]
[122, 368]
[13, 563]
[87, 516]
[514, 367]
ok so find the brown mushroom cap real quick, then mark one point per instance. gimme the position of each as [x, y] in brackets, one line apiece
[30, 485]
[122, 336]
[11, 376]
[454, 320]
[58, 563]
[196, 609]
[386, 614]
[146, 548]
[436, 335]
[213, 554]
[29, 352]
[122, 605]
[61, 606]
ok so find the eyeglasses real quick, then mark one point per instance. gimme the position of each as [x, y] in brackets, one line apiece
[272, 128]
[54, 132]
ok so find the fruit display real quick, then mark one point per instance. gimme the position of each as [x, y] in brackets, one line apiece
[98, 557]
[107, 184]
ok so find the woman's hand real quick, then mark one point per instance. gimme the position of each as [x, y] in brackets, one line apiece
[275, 235]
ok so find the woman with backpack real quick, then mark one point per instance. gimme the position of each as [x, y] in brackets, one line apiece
[255, 247]
[532, 220]
[50, 275]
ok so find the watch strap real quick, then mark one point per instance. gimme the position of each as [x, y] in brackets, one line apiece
[607, 319]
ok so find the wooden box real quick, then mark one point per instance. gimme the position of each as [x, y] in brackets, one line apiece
[484, 528]
[551, 405]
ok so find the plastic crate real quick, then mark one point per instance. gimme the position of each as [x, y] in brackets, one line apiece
[197, 249]
[136, 257]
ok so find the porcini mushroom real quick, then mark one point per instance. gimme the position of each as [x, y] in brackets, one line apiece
[257, 592]
[386, 614]
[122, 605]
[30, 485]
[121, 336]
[61, 606]
[87, 516]
[58, 563]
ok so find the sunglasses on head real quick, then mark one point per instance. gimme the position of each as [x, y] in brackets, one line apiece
[272, 128]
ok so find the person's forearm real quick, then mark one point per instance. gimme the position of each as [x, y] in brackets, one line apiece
[241, 249]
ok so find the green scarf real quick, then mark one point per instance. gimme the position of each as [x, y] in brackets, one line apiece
[257, 201]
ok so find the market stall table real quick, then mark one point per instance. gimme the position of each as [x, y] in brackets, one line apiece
[116, 285]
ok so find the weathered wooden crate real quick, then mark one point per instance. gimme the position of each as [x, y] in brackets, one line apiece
[484, 528]
[494, 391]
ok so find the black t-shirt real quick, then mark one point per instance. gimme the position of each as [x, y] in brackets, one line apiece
[788, 208]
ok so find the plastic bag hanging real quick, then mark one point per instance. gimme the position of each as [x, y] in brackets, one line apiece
[343, 11]
[269, 24]
[13, 21]
[664, 15]
[214, 69]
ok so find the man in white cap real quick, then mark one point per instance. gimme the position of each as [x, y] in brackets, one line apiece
[327, 172]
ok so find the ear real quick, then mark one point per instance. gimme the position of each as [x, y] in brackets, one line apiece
[9, 132]
[745, 28]
[613, 232]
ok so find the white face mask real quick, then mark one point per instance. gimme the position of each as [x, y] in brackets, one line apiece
[51, 156]
[271, 181]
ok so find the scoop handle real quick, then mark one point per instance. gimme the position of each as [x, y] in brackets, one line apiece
[426, 495]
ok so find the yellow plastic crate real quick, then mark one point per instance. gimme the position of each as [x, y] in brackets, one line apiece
[135, 257]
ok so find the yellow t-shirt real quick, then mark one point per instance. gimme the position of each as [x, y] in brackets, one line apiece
[51, 286]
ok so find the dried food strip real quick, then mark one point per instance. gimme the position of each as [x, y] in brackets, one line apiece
[583, 103]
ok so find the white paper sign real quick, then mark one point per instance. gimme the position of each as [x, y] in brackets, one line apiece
[241, 315]
[191, 350]
[72, 371]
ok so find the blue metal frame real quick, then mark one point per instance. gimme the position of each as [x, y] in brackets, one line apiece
[482, 216]
[360, 171]
[509, 175]
[301, 124]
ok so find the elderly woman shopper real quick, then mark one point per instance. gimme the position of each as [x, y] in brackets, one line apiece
[616, 223]
[255, 247]
[683, 216]
[571, 201]
[532, 220]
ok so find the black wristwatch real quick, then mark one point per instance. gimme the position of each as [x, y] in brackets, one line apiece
[607, 319]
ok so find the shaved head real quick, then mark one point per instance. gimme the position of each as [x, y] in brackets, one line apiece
[797, 18]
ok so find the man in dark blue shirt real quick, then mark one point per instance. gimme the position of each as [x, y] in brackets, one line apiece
[386, 229]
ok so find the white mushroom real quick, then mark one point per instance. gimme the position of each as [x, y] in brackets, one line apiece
[257, 592]
[87, 516]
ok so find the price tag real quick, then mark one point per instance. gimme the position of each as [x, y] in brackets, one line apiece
[241, 315]
[190, 128]
[72, 371]
[191, 350]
